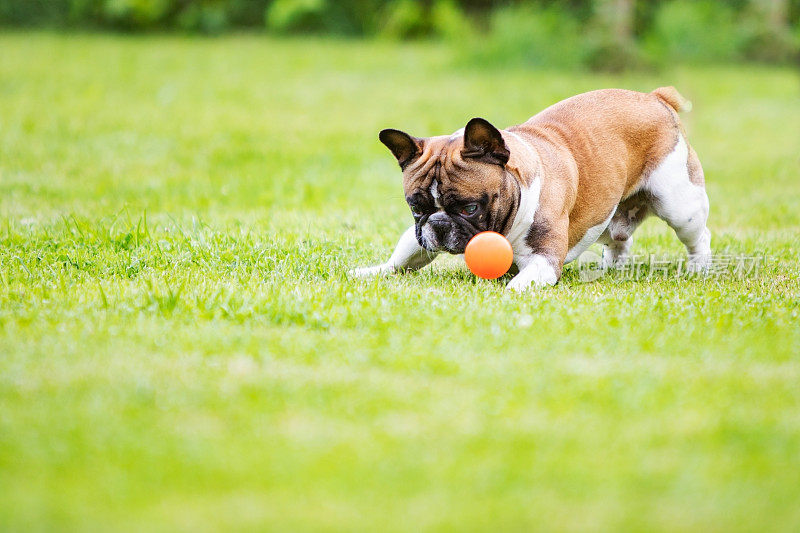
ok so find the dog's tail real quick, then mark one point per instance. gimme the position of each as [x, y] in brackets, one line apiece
[671, 97]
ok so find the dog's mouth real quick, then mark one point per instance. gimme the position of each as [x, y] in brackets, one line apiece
[448, 249]
[452, 239]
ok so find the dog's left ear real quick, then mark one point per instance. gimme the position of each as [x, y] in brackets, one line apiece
[484, 141]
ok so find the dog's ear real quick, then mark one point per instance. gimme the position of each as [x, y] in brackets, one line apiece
[484, 141]
[404, 147]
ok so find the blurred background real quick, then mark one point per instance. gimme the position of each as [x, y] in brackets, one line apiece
[608, 35]
[183, 185]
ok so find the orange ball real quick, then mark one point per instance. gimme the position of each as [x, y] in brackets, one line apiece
[488, 255]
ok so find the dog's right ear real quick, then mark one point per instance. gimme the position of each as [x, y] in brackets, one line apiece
[404, 147]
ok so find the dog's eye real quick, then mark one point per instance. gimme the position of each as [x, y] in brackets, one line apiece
[415, 210]
[469, 209]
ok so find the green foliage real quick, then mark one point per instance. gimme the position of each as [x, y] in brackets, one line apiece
[698, 31]
[396, 19]
[765, 45]
[609, 56]
[39, 12]
[135, 13]
[449, 22]
[206, 16]
[297, 15]
[531, 36]
[535, 33]
[404, 19]
[765, 42]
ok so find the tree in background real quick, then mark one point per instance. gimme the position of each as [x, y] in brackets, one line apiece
[768, 33]
[612, 46]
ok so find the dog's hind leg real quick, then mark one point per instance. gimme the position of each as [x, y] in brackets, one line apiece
[678, 196]
[618, 236]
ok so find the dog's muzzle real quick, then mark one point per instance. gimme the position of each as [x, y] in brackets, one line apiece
[441, 233]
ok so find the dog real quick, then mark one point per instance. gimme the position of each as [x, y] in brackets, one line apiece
[589, 168]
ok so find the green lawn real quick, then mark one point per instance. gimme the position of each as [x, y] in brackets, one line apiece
[180, 347]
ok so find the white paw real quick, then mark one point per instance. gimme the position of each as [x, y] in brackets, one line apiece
[698, 263]
[538, 273]
[615, 254]
[518, 284]
[613, 260]
[371, 272]
[609, 259]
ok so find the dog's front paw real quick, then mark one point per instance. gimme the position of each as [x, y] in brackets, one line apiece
[371, 272]
[518, 284]
[538, 273]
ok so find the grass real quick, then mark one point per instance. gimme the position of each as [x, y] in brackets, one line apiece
[181, 349]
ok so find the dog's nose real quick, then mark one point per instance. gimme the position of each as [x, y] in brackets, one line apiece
[439, 217]
[440, 224]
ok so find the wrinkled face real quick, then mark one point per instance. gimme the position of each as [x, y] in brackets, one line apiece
[456, 186]
[446, 221]
[452, 199]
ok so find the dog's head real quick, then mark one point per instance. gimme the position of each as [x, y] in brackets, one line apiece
[457, 185]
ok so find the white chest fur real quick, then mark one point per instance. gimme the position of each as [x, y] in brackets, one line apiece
[528, 204]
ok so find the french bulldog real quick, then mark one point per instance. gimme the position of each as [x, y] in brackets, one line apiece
[589, 168]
